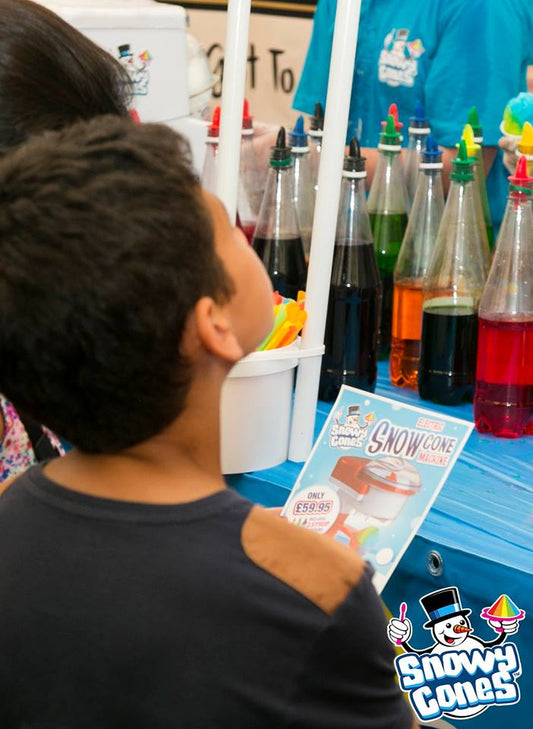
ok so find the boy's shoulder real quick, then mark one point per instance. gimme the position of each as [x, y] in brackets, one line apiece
[314, 565]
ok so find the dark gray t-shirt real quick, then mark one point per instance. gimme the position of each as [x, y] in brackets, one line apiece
[118, 614]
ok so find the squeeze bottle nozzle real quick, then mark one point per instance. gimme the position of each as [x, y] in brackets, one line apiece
[247, 118]
[214, 128]
[419, 120]
[297, 136]
[280, 154]
[473, 120]
[316, 122]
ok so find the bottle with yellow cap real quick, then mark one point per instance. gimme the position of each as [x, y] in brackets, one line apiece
[388, 219]
[473, 150]
[525, 146]
[452, 288]
[479, 173]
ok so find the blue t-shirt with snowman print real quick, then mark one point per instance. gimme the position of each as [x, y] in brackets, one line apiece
[449, 54]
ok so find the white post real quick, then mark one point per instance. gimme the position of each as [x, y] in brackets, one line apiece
[229, 146]
[323, 238]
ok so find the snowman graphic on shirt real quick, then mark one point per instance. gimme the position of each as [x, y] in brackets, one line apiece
[398, 60]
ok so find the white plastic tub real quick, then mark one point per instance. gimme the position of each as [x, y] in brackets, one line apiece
[256, 409]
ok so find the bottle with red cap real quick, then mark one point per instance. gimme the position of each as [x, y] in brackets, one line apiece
[388, 218]
[211, 153]
[249, 194]
[503, 400]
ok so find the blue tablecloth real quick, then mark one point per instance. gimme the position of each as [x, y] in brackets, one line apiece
[478, 535]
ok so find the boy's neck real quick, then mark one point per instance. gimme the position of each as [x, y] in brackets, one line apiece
[179, 464]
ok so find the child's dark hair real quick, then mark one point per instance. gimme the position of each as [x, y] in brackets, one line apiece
[105, 247]
[51, 75]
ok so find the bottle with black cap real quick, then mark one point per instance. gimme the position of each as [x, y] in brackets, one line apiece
[355, 292]
[277, 240]
[316, 132]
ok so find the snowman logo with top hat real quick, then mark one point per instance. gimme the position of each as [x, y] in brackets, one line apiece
[451, 628]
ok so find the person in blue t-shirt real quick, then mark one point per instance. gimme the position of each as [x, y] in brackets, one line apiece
[449, 54]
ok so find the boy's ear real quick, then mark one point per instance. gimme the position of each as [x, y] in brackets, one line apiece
[213, 325]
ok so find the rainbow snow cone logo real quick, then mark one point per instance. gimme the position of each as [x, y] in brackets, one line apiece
[460, 675]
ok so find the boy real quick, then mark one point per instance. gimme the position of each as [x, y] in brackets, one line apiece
[135, 589]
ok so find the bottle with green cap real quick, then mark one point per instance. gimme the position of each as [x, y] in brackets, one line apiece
[452, 288]
[503, 400]
[411, 267]
[479, 173]
[304, 196]
[388, 220]
[418, 131]
[316, 132]
[277, 239]
[355, 290]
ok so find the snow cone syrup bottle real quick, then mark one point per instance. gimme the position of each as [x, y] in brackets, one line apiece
[388, 220]
[277, 238]
[417, 245]
[304, 194]
[479, 173]
[452, 288]
[211, 152]
[503, 401]
[355, 291]
[316, 132]
[418, 132]
[249, 195]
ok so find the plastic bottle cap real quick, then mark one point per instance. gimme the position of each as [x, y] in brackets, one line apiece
[473, 120]
[297, 136]
[390, 139]
[463, 165]
[419, 124]
[431, 157]
[280, 155]
[525, 145]
[472, 148]
[316, 122]
[214, 128]
[521, 182]
[247, 119]
[354, 163]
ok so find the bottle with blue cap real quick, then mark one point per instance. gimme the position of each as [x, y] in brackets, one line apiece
[418, 131]
[350, 356]
[277, 239]
[453, 284]
[304, 196]
[411, 267]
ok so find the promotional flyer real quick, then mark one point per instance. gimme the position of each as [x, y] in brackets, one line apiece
[375, 471]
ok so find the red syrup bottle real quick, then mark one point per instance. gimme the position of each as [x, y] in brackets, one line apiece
[503, 400]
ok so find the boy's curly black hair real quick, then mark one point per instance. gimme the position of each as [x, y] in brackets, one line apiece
[51, 75]
[105, 246]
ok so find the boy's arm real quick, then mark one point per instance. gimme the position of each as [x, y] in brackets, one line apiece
[348, 680]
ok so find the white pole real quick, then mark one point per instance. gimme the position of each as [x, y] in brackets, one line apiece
[229, 146]
[324, 223]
